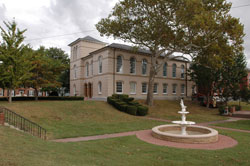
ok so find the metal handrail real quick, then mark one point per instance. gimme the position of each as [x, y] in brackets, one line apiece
[23, 124]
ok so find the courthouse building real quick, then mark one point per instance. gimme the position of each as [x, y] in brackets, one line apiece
[98, 70]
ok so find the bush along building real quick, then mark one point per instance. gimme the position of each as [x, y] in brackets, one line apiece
[98, 70]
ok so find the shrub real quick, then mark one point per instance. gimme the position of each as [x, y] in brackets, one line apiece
[122, 97]
[126, 104]
[142, 110]
[115, 96]
[109, 99]
[222, 109]
[132, 110]
[134, 103]
[129, 99]
[123, 107]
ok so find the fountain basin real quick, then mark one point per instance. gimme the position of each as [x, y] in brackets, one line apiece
[195, 134]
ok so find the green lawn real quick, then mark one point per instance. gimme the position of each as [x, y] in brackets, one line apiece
[64, 119]
[241, 124]
[20, 149]
[169, 110]
[244, 106]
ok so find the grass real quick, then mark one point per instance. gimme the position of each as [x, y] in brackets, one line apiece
[169, 110]
[20, 149]
[64, 119]
[241, 124]
[244, 105]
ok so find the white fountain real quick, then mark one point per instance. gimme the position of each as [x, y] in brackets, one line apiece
[183, 123]
[185, 131]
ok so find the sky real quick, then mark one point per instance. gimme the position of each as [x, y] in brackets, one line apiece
[56, 23]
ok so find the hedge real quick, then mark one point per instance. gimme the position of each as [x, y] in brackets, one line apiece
[132, 110]
[142, 110]
[126, 104]
[69, 98]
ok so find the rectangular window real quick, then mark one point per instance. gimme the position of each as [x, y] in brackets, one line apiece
[144, 88]
[174, 88]
[182, 89]
[40, 93]
[155, 90]
[1, 92]
[31, 93]
[165, 88]
[119, 87]
[132, 88]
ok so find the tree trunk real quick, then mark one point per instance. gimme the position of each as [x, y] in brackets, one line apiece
[10, 95]
[36, 94]
[150, 97]
[208, 100]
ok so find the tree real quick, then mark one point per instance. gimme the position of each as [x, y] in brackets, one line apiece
[232, 76]
[168, 26]
[16, 66]
[46, 70]
[60, 56]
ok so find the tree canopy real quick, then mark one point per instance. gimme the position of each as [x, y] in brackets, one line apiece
[168, 26]
[15, 67]
[21, 66]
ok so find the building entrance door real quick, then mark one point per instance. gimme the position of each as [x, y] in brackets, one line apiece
[90, 90]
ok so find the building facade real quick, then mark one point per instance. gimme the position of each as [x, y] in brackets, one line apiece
[98, 70]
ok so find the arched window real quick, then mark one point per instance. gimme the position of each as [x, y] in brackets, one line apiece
[75, 50]
[182, 71]
[87, 69]
[99, 87]
[92, 68]
[100, 64]
[174, 70]
[119, 64]
[165, 69]
[132, 65]
[75, 71]
[144, 66]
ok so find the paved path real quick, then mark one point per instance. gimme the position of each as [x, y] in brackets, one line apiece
[105, 136]
[225, 128]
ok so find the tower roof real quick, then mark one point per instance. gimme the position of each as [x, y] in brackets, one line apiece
[87, 39]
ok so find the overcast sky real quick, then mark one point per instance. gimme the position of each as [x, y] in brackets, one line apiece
[56, 23]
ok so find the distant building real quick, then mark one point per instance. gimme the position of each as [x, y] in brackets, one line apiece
[21, 92]
[98, 70]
